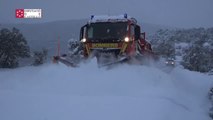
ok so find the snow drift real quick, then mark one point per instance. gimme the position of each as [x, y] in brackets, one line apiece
[57, 92]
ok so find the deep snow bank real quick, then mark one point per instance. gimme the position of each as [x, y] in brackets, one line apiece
[57, 92]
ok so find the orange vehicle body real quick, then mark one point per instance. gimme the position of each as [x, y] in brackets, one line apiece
[101, 36]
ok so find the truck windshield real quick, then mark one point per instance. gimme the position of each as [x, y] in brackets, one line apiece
[107, 30]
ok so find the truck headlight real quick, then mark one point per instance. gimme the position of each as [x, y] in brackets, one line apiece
[126, 39]
[83, 40]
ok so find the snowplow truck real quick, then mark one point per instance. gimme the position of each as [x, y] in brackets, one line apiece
[114, 37]
[112, 40]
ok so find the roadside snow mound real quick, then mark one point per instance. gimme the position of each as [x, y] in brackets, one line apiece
[57, 92]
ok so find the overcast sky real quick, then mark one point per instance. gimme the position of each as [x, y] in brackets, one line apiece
[177, 13]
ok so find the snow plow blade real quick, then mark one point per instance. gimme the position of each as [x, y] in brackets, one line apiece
[121, 61]
[63, 60]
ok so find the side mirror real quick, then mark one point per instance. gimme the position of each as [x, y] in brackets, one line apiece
[137, 32]
[143, 35]
[83, 32]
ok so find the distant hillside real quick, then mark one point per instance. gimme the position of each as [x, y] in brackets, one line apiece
[46, 34]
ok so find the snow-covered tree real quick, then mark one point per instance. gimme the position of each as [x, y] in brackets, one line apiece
[40, 57]
[163, 43]
[165, 49]
[198, 58]
[196, 49]
[12, 46]
[74, 47]
[75, 50]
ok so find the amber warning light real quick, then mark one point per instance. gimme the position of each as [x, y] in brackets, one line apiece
[28, 13]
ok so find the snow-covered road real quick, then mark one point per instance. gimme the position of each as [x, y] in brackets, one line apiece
[57, 92]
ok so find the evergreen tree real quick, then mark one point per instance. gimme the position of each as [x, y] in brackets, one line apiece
[198, 58]
[40, 57]
[194, 45]
[13, 46]
[165, 49]
[74, 46]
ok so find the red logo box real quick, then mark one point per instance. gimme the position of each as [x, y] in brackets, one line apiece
[19, 13]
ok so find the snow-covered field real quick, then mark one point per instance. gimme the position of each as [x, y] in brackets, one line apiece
[57, 92]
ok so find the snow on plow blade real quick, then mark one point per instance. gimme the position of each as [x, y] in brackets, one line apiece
[121, 61]
[63, 60]
[69, 63]
[106, 62]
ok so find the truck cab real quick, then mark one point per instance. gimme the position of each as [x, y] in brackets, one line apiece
[114, 35]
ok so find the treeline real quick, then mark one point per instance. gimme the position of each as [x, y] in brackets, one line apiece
[195, 46]
[14, 47]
